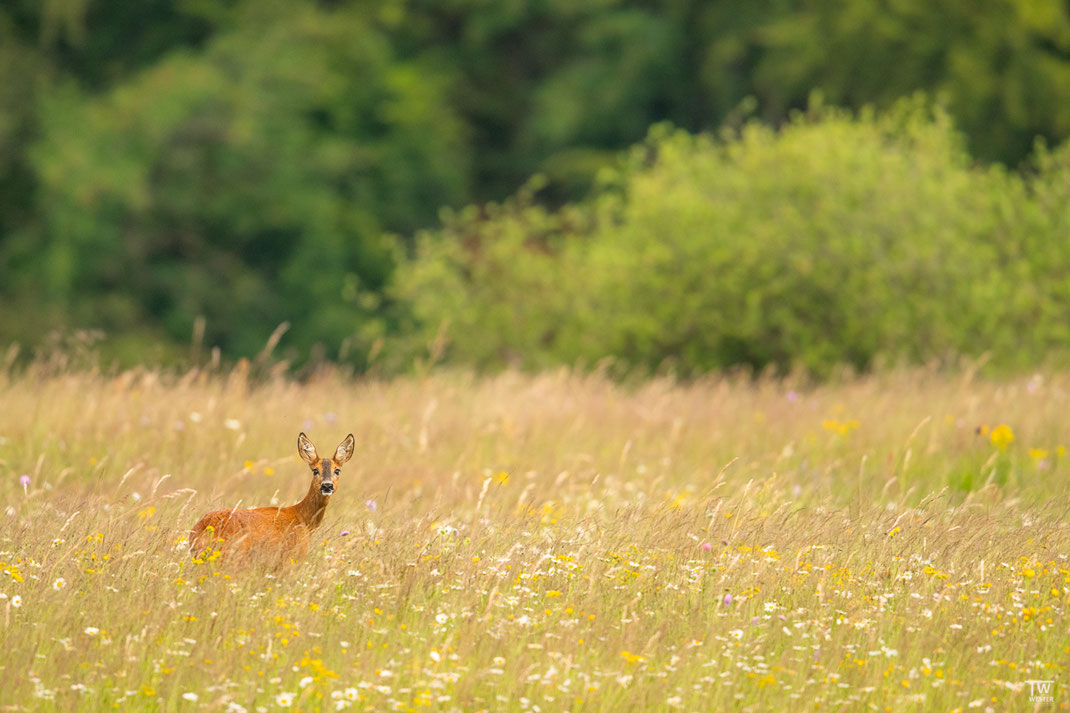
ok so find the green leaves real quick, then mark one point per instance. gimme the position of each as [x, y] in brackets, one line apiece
[836, 240]
[247, 183]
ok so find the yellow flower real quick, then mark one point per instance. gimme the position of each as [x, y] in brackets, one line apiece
[1001, 436]
[501, 478]
[1038, 453]
[553, 593]
[840, 427]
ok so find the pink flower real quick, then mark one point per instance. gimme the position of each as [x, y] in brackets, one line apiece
[24, 481]
[707, 546]
[728, 599]
[345, 532]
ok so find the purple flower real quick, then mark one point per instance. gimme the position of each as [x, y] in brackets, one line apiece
[728, 599]
[707, 546]
[24, 481]
[371, 505]
[345, 532]
[792, 396]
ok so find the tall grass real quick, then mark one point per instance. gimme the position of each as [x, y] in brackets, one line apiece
[550, 542]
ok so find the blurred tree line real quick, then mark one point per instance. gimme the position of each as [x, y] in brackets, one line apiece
[261, 161]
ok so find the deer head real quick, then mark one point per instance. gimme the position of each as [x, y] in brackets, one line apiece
[325, 471]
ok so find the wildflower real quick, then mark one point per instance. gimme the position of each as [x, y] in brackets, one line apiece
[736, 634]
[792, 396]
[371, 505]
[345, 532]
[770, 606]
[351, 694]
[843, 428]
[285, 699]
[233, 707]
[24, 481]
[1038, 453]
[1001, 436]
[16, 601]
[59, 584]
[92, 630]
[190, 696]
[441, 618]
[305, 682]
[435, 656]
[499, 661]
[727, 599]
[706, 546]
[232, 424]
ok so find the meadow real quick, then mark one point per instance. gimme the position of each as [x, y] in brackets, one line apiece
[547, 542]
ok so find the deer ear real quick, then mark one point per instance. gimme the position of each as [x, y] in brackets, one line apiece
[345, 449]
[306, 450]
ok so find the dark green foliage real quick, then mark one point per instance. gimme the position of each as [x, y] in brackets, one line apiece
[261, 161]
[249, 183]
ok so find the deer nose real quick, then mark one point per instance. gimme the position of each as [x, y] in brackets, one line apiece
[327, 488]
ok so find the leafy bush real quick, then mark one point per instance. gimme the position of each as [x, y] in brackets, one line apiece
[838, 239]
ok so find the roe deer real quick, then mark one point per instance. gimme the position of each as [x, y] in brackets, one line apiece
[274, 530]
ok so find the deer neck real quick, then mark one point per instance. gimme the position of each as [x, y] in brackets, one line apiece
[310, 510]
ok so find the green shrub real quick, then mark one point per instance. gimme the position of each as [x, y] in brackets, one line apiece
[838, 239]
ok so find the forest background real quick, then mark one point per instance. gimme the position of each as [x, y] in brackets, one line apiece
[671, 183]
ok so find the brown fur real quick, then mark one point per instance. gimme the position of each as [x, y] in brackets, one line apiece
[273, 531]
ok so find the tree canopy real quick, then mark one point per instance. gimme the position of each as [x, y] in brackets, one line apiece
[259, 161]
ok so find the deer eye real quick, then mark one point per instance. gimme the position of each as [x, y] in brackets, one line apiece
[337, 471]
[315, 471]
